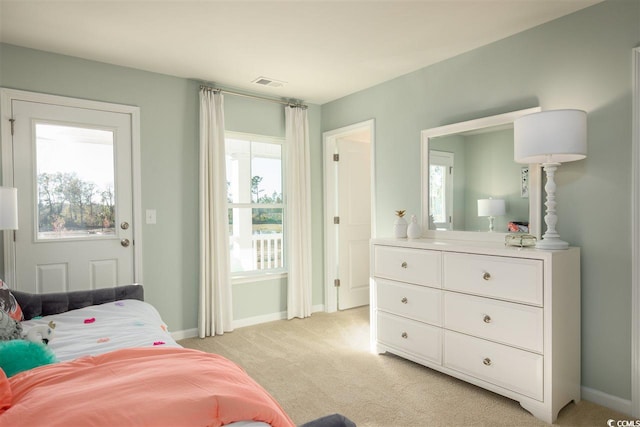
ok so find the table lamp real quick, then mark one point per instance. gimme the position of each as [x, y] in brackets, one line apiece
[551, 138]
[491, 208]
[8, 208]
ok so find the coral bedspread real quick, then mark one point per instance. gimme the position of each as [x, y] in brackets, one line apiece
[136, 387]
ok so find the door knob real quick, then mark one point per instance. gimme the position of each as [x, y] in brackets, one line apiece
[125, 242]
[124, 225]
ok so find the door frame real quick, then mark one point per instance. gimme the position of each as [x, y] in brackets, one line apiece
[7, 96]
[329, 139]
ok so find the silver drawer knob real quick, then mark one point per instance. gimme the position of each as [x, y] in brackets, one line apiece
[486, 318]
[486, 275]
[487, 361]
[404, 335]
[404, 300]
[404, 264]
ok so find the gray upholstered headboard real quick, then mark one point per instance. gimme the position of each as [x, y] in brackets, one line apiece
[45, 304]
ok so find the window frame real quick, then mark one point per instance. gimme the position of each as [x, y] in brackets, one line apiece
[272, 273]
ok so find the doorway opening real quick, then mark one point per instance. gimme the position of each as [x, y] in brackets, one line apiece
[349, 214]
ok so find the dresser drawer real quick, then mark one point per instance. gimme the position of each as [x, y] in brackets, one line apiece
[417, 338]
[513, 279]
[408, 265]
[516, 370]
[509, 323]
[413, 301]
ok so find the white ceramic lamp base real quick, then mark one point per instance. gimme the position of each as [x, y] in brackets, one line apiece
[551, 239]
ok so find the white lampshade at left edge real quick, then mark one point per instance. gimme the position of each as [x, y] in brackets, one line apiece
[8, 208]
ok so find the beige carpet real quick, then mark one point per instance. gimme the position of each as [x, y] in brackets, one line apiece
[322, 365]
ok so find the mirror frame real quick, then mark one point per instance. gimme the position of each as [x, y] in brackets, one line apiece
[535, 188]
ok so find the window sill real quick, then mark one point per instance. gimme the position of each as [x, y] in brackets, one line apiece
[257, 277]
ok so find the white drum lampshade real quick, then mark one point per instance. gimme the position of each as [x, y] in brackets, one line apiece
[8, 208]
[491, 207]
[551, 138]
[556, 136]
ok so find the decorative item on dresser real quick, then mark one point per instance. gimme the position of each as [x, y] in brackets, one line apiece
[503, 318]
[414, 231]
[400, 225]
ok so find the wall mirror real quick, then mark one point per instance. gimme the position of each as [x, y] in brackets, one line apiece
[472, 189]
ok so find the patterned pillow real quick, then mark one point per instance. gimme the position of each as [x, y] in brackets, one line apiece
[8, 303]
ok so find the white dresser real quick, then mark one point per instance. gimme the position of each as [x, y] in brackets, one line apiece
[503, 318]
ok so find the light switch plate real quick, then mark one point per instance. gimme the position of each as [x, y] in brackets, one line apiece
[151, 216]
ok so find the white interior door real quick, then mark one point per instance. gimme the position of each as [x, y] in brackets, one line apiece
[73, 170]
[354, 207]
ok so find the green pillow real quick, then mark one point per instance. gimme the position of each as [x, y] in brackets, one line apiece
[20, 355]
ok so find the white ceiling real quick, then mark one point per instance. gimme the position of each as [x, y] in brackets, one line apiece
[324, 50]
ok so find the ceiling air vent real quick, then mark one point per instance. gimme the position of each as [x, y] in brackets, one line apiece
[265, 81]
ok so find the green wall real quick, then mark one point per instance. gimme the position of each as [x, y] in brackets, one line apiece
[169, 150]
[581, 61]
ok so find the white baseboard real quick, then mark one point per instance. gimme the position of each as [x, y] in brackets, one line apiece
[240, 323]
[249, 321]
[188, 333]
[607, 400]
[256, 320]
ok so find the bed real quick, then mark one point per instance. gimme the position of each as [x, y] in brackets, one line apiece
[118, 365]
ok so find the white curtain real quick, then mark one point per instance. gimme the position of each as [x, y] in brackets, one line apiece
[215, 311]
[298, 213]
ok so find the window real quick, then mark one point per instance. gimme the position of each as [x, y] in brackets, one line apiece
[75, 175]
[256, 203]
[441, 189]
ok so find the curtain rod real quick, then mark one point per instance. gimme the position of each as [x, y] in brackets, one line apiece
[245, 95]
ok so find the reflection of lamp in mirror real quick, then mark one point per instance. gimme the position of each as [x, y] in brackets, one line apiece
[551, 138]
[491, 208]
[8, 208]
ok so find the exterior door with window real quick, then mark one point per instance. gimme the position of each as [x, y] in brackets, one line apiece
[73, 170]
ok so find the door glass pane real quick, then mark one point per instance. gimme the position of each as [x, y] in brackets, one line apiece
[75, 175]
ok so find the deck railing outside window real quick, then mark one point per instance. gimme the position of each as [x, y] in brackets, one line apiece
[267, 251]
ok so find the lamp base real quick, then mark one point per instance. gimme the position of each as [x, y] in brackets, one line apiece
[551, 239]
[552, 243]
